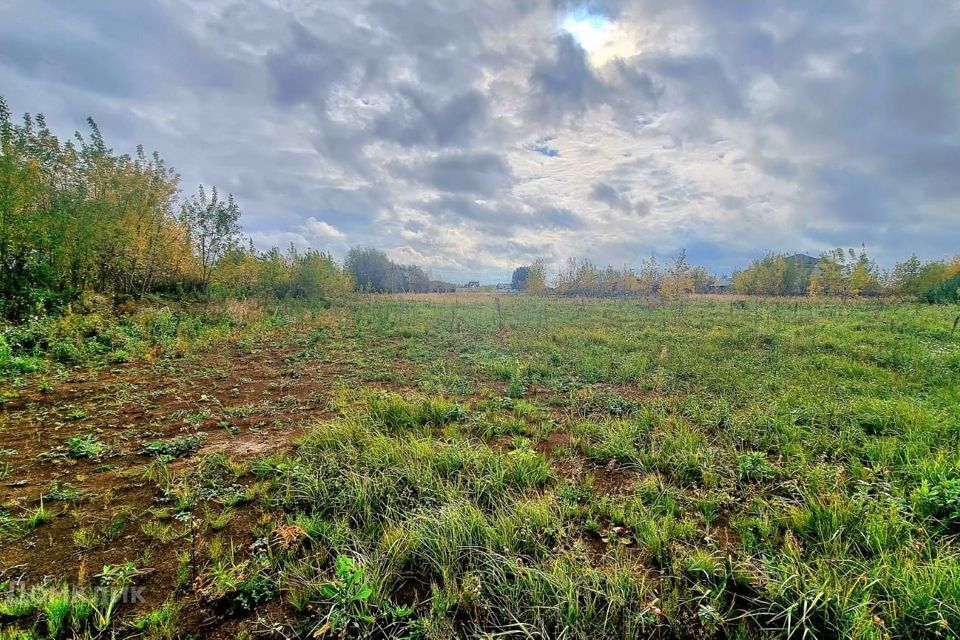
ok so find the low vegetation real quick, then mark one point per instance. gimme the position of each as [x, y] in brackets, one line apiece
[457, 466]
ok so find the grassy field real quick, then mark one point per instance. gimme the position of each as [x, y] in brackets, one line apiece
[472, 466]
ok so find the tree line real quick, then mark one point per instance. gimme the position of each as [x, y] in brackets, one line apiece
[849, 273]
[840, 273]
[76, 216]
[584, 278]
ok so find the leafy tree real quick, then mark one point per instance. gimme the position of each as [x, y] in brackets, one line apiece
[941, 282]
[907, 277]
[519, 279]
[318, 276]
[678, 279]
[536, 279]
[648, 281]
[773, 275]
[701, 279]
[373, 271]
[864, 278]
[213, 226]
[833, 277]
[76, 216]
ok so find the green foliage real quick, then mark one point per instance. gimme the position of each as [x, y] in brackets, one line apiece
[944, 292]
[86, 446]
[774, 275]
[753, 466]
[74, 215]
[372, 270]
[171, 449]
[159, 623]
[213, 226]
[77, 217]
[939, 500]
[237, 586]
[348, 596]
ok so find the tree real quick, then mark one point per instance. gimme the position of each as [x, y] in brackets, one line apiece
[649, 279]
[905, 278]
[774, 275]
[373, 271]
[318, 276]
[833, 276]
[213, 226]
[519, 279]
[537, 277]
[864, 278]
[701, 279]
[678, 279]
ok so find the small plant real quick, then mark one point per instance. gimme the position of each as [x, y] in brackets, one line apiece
[160, 623]
[84, 538]
[235, 586]
[114, 582]
[38, 517]
[348, 596]
[753, 466]
[56, 611]
[58, 491]
[66, 352]
[85, 446]
[172, 449]
[939, 500]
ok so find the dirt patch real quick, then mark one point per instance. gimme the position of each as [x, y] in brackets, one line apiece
[79, 450]
[612, 479]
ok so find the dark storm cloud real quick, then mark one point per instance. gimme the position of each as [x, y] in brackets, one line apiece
[486, 122]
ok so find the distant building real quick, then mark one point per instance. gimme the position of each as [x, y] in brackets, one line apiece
[472, 286]
[721, 285]
[506, 287]
[808, 263]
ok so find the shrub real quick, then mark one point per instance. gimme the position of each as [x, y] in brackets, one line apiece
[65, 352]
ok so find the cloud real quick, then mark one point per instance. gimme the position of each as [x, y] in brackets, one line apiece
[603, 192]
[480, 174]
[321, 229]
[478, 136]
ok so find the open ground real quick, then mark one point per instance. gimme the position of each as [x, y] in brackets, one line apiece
[479, 466]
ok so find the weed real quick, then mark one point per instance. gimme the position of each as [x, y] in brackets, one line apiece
[753, 466]
[85, 446]
[167, 450]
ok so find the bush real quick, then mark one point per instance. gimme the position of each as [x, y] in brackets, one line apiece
[15, 364]
[939, 500]
[947, 291]
[66, 352]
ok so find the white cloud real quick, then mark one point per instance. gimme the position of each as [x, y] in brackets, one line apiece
[322, 230]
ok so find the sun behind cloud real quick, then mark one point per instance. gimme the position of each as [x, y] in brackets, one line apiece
[603, 39]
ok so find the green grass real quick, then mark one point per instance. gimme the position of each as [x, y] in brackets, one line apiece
[589, 469]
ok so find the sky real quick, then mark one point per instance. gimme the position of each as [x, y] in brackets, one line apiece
[473, 136]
